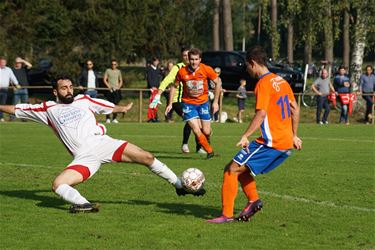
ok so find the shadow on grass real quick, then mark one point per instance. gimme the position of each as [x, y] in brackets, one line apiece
[170, 155]
[37, 195]
[199, 211]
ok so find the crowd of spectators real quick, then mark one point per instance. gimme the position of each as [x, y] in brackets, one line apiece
[14, 88]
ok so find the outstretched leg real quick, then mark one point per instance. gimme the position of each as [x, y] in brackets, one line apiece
[133, 153]
[63, 186]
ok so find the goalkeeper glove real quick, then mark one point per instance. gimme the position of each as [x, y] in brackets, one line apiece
[155, 102]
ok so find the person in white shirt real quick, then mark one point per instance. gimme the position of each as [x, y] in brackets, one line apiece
[6, 78]
[73, 120]
[88, 80]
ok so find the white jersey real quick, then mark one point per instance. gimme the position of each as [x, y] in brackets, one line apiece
[75, 123]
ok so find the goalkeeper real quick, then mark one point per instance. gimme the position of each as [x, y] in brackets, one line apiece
[176, 105]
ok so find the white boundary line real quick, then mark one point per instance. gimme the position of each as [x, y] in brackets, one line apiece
[272, 194]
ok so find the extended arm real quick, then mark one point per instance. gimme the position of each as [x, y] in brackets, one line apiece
[168, 80]
[171, 95]
[215, 105]
[259, 116]
[294, 110]
[122, 109]
[10, 109]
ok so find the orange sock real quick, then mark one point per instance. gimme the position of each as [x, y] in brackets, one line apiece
[248, 186]
[229, 193]
[203, 141]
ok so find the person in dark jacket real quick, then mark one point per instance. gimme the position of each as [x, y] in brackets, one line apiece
[88, 80]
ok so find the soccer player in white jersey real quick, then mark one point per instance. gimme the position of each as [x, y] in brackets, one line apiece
[73, 120]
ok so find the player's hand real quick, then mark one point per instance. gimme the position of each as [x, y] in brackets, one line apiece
[243, 143]
[168, 109]
[297, 143]
[127, 107]
[155, 102]
[215, 107]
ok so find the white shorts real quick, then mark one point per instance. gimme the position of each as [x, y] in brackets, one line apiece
[106, 150]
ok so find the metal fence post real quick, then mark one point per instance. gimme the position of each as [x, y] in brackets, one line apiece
[140, 106]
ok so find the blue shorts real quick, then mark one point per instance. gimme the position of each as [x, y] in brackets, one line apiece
[261, 159]
[201, 111]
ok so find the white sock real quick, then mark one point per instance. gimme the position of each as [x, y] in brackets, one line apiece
[160, 169]
[70, 194]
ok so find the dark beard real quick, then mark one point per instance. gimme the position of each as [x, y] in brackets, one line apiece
[68, 99]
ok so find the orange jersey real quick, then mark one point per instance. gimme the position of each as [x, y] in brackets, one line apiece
[195, 84]
[273, 94]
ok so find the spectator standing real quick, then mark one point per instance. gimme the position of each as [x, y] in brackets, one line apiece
[341, 83]
[153, 76]
[88, 80]
[20, 69]
[367, 88]
[113, 80]
[322, 87]
[241, 99]
[6, 78]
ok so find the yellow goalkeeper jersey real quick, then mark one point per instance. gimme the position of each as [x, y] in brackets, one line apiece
[170, 78]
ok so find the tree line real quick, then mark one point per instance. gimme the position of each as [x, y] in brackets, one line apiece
[70, 31]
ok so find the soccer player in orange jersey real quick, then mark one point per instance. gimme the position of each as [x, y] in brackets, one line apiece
[277, 116]
[195, 102]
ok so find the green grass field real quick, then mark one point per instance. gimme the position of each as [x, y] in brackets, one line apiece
[321, 198]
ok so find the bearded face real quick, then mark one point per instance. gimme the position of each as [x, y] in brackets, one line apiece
[64, 91]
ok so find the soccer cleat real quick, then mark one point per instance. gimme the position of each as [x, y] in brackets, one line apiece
[185, 149]
[201, 151]
[183, 192]
[107, 121]
[85, 208]
[211, 155]
[221, 219]
[251, 208]
[114, 121]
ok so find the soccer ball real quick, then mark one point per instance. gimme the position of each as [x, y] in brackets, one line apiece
[193, 179]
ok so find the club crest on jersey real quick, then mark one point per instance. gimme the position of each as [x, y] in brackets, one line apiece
[276, 81]
[70, 117]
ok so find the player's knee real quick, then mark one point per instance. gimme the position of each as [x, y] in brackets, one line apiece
[147, 158]
[55, 184]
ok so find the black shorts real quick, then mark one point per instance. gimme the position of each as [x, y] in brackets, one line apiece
[241, 104]
[177, 107]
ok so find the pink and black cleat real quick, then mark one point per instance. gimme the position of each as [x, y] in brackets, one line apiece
[251, 208]
[221, 219]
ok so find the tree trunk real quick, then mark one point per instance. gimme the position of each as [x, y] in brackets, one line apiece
[360, 33]
[215, 25]
[290, 41]
[328, 35]
[275, 37]
[308, 52]
[228, 33]
[346, 42]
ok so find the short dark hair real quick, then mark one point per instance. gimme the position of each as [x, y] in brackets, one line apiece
[195, 52]
[369, 66]
[58, 77]
[154, 58]
[3, 58]
[183, 49]
[342, 67]
[257, 54]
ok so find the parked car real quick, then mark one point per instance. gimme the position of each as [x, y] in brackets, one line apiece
[233, 69]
